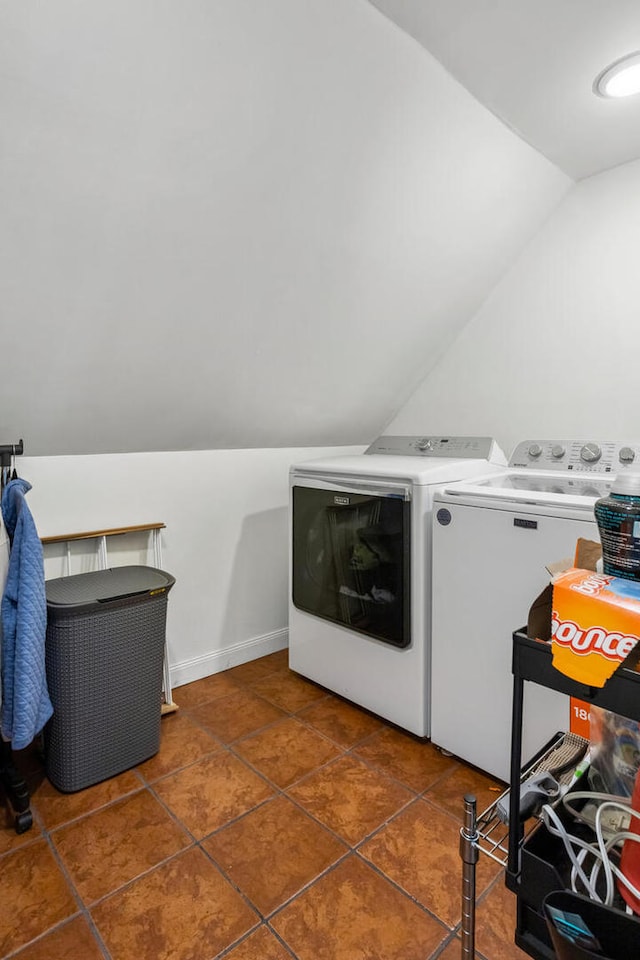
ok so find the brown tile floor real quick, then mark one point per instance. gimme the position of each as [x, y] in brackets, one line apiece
[276, 822]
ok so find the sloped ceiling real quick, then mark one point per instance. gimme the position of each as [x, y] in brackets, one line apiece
[533, 64]
[238, 224]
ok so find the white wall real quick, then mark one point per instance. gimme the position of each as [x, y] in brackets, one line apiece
[553, 351]
[238, 223]
[226, 540]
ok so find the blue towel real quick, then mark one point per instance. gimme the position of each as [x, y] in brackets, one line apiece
[26, 706]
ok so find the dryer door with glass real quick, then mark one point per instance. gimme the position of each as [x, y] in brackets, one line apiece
[350, 558]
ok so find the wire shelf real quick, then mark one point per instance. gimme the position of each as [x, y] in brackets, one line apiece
[492, 831]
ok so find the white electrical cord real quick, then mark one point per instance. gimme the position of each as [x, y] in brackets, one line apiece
[599, 851]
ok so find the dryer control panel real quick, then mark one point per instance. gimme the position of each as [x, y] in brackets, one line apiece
[587, 456]
[477, 448]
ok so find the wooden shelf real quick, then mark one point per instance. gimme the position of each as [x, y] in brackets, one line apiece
[108, 532]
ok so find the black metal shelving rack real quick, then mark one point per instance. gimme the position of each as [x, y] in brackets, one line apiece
[529, 872]
[532, 661]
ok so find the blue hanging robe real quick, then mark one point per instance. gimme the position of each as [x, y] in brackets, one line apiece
[26, 706]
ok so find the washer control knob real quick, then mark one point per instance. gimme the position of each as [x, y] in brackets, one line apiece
[424, 444]
[535, 450]
[558, 451]
[590, 453]
[627, 455]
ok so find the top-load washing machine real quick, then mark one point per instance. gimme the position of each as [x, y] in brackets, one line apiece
[492, 540]
[360, 584]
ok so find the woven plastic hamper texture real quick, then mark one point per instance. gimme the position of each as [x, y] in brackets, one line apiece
[104, 672]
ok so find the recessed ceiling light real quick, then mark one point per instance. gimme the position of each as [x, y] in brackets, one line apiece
[620, 79]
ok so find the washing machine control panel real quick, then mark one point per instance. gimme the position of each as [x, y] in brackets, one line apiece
[588, 456]
[477, 448]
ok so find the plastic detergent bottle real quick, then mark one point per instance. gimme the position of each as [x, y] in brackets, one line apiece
[618, 518]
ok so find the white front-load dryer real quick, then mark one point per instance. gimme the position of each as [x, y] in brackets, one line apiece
[492, 539]
[360, 569]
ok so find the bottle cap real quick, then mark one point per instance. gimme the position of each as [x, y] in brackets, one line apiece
[627, 484]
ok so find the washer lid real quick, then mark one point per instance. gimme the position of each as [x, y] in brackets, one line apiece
[537, 487]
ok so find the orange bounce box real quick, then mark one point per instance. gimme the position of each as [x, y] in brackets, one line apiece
[595, 624]
[595, 619]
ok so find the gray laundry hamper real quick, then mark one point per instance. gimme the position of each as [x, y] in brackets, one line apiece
[104, 657]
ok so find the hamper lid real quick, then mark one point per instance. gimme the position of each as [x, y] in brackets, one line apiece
[101, 586]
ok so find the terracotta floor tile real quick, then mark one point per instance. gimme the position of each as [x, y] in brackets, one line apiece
[286, 751]
[71, 941]
[275, 815]
[34, 895]
[237, 715]
[416, 763]
[107, 849]
[418, 850]
[352, 913]
[449, 792]
[452, 951]
[255, 669]
[183, 910]
[278, 660]
[191, 695]
[273, 852]
[212, 792]
[9, 839]
[342, 722]
[56, 808]
[496, 923]
[181, 742]
[261, 945]
[288, 691]
[350, 798]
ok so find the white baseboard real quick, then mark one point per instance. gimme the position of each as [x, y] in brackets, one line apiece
[198, 667]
